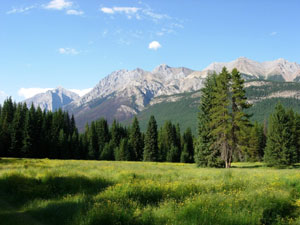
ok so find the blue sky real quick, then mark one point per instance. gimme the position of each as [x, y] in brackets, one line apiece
[75, 43]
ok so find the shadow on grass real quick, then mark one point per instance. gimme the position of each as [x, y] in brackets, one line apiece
[18, 189]
[248, 166]
[52, 213]
[10, 160]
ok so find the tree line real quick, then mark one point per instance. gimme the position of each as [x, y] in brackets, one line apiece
[31, 132]
[225, 133]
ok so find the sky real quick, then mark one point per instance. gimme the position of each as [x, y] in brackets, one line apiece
[75, 43]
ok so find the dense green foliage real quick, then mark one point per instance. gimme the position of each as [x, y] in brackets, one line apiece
[98, 192]
[282, 147]
[36, 134]
[33, 133]
[223, 123]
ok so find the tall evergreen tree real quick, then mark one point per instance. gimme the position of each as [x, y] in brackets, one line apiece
[29, 132]
[135, 140]
[7, 115]
[187, 154]
[151, 145]
[239, 119]
[122, 153]
[221, 118]
[102, 133]
[93, 142]
[205, 156]
[281, 147]
[17, 127]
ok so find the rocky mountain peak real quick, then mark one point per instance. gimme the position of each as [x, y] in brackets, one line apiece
[161, 68]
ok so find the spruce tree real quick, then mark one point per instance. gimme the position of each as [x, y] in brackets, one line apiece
[17, 130]
[135, 140]
[205, 156]
[239, 119]
[102, 134]
[281, 141]
[29, 132]
[187, 154]
[221, 127]
[122, 153]
[7, 115]
[93, 142]
[108, 151]
[151, 145]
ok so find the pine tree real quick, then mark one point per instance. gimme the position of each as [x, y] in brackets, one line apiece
[297, 134]
[253, 147]
[108, 151]
[151, 145]
[122, 153]
[205, 156]
[187, 154]
[239, 119]
[62, 145]
[29, 132]
[7, 115]
[221, 127]
[281, 141]
[135, 140]
[46, 135]
[93, 142]
[103, 134]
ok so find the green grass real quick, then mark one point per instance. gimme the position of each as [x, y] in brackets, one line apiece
[100, 192]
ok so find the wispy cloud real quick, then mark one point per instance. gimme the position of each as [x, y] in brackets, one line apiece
[75, 12]
[126, 10]
[139, 13]
[155, 16]
[154, 45]
[58, 4]
[30, 92]
[273, 33]
[21, 10]
[68, 51]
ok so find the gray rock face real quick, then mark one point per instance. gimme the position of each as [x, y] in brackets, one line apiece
[129, 92]
[53, 99]
[277, 69]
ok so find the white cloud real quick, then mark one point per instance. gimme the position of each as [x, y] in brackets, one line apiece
[3, 96]
[155, 16]
[58, 4]
[126, 10]
[107, 10]
[74, 12]
[154, 45]
[273, 33]
[20, 10]
[30, 92]
[81, 92]
[68, 51]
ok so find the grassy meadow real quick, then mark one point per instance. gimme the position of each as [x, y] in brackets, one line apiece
[34, 191]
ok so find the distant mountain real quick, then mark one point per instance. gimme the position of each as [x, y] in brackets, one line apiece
[53, 99]
[123, 93]
[278, 70]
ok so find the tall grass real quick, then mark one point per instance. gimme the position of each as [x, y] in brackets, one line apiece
[100, 192]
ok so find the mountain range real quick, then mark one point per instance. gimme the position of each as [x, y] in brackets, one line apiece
[123, 93]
